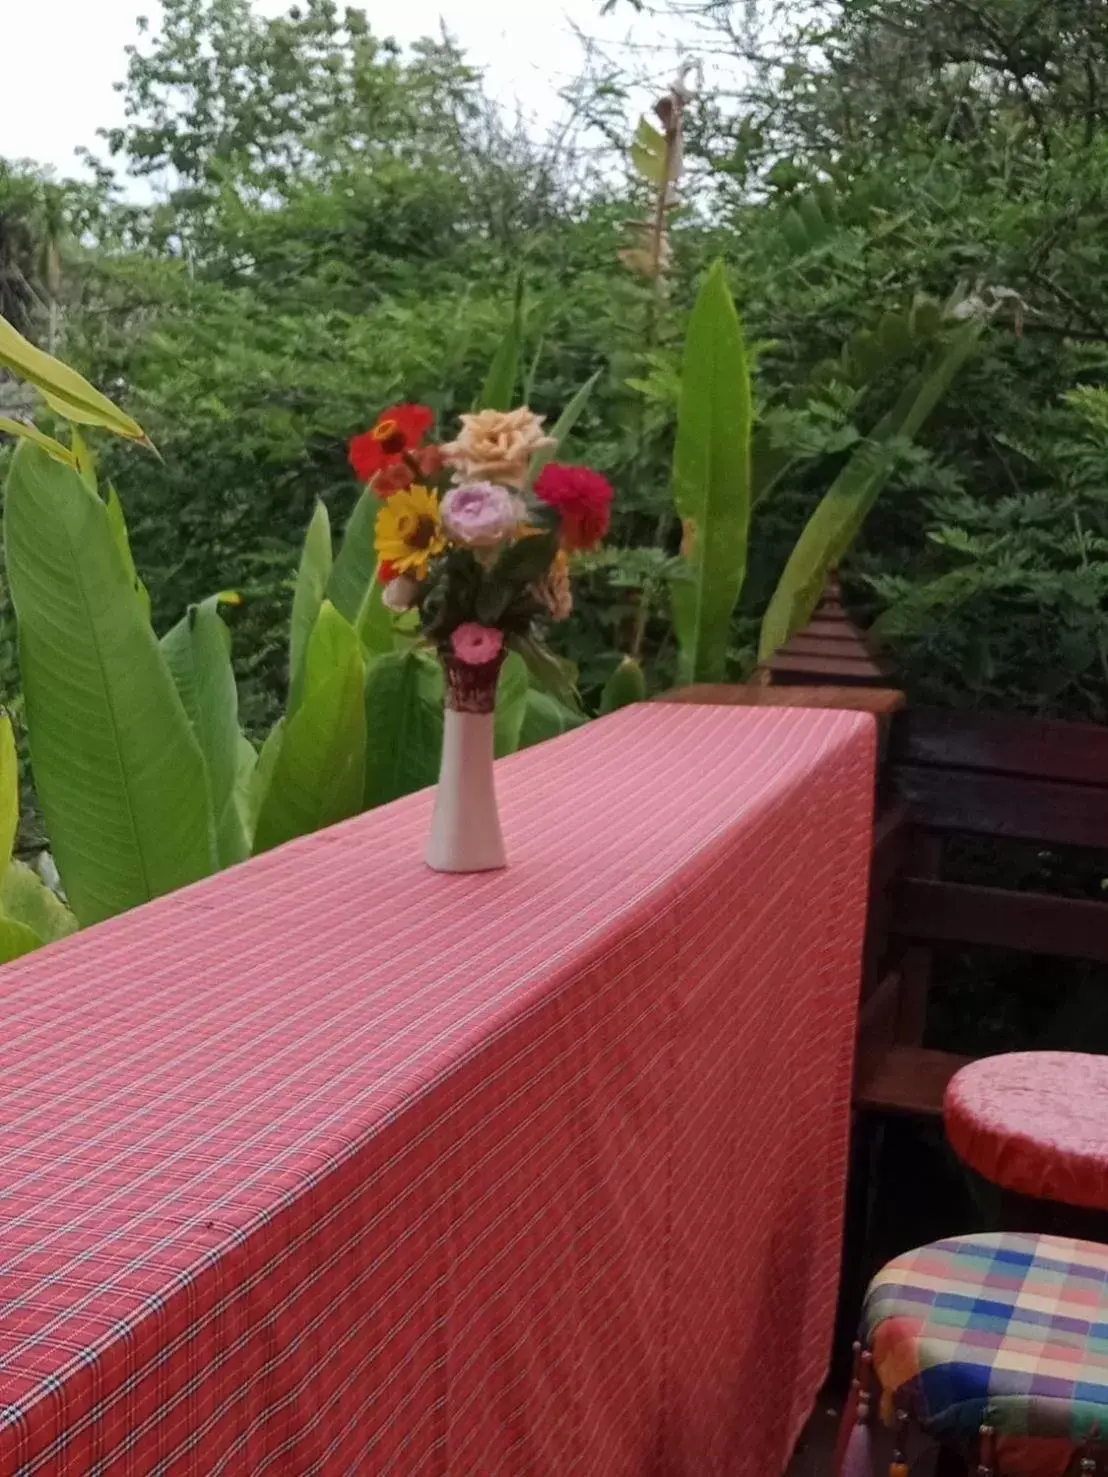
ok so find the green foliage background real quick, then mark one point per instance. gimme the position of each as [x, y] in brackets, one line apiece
[334, 224]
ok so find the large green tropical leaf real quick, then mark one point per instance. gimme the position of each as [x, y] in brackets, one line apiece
[403, 703]
[498, 391]
[118, 769]
[30, 914]
[118, 525]
[354, 588]
[356, 561]
[63, 388]
[711, 476]
[845, 505]
[511, 703]
[318, 773]
[16, 939]
[311, 586]
[254, 778]
[9, 791]
[625, 686]
[198, 651]
[26, 899]
[545, 717]
[23, 431]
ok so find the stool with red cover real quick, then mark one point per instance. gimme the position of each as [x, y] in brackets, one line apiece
[1034, 1123]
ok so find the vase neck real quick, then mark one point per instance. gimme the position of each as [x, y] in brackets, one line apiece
[472, 689]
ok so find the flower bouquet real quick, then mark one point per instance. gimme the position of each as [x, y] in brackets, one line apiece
[475, 536]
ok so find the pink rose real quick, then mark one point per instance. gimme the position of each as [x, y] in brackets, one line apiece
[477, 645]
[480, 514]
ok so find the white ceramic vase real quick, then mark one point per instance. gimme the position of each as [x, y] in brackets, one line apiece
[465, 828]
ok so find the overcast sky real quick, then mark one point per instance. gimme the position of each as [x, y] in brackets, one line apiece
[59, 58]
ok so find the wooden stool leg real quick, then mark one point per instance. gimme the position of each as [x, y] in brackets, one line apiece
[986, 1452]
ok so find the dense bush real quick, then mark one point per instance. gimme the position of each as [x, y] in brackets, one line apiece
[336, 223]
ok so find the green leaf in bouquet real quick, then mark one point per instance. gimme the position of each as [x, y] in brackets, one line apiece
[455, 583]
[527, 560]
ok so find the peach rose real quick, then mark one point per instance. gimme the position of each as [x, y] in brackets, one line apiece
[497, 446]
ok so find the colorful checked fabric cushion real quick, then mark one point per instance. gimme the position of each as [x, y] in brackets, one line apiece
[1002, 1330]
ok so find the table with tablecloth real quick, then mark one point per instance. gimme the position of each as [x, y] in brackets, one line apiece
[330, 1164]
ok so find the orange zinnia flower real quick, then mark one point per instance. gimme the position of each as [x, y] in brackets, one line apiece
[398, 433]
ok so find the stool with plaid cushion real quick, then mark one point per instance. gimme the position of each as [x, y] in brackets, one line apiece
[1003, 1334]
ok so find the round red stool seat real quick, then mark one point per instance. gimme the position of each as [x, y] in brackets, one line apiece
[1034, 1122]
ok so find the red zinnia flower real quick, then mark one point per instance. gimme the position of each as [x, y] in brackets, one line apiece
[582, 497]
[397, 432]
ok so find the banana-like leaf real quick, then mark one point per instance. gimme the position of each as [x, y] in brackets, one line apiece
[22, 431]
[625, 686]
[319, 770]
[9, 791]
[312, 579]
[118, 769]
[254, 781]
[354, 588]
[355, 566]
[561, 429]
[26, 899]
[86, 462]
[198, 651]
[63, 389]
[403, 705]
[545, 717]
[118, 526]
[16, 939]
[499, 388]
[511, 704]
[549, 673]
[845, 505]
[711, 477]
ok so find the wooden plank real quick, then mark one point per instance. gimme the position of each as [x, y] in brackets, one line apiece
[1031, 922]
[1038, 748]
[1002, 805]
[877, 1017]
[880, 701]
[808, 645]
[844, 668]
[891, 836]
[905, 1079]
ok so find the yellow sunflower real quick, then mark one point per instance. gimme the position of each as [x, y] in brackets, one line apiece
[409, 531]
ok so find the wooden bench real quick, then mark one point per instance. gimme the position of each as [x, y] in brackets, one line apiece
[951, 775]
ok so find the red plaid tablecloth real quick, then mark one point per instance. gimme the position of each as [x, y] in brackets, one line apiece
[333, 1165]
